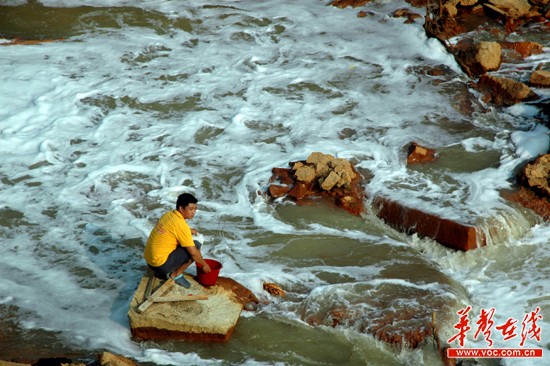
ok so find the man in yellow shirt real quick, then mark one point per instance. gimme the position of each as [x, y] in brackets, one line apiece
[170, 248]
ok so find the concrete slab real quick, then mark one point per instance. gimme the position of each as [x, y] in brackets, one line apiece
[213, 319]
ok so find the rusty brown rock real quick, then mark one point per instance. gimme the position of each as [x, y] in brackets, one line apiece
[274, 289]
[406, 13]
[277, 191]
[529, 199]
[479, 58]
[345, 3]
[419, 154]
[242, 294]
[540, 78]
[300, 191]
[535, 174]
[468, 2]
[410, 220]
[450, 9]
[525, 49]
[511, 8]
[385, 325]
[282, 175]
[504, 91]
[110, 359]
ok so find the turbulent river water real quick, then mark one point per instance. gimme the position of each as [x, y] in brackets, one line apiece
[130, 103]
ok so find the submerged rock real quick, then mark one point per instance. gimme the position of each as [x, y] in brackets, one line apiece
[388, 310]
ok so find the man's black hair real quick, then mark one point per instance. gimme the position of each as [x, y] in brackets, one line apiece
[184, 199]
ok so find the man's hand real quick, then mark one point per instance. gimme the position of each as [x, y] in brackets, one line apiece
[195, 253]
[194, 231]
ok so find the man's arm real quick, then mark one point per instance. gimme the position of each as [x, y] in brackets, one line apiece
[197, 257]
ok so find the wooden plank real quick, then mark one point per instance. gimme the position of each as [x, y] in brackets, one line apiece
[150, 282]
[180, 298]
[158, 293]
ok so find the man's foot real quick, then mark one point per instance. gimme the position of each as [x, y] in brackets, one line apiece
[180, 280]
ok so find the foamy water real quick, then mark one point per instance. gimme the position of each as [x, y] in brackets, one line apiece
[99, 134]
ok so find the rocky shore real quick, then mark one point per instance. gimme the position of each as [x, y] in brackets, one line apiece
[476, 34]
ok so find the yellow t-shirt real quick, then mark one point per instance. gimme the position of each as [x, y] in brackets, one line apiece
[171, 230]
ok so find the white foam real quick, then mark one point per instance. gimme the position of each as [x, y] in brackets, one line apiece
[91, 161]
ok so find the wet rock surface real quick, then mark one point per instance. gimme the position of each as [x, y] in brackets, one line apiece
[419, 154]
[485, 35]
[411, 220]
[497, 19]
[320, 175]
[209, 319]
[534, 188]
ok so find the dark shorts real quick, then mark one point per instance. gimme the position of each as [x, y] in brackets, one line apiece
[178, 257]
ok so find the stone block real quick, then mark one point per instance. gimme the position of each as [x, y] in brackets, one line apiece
[213, 319]
[450, 233]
